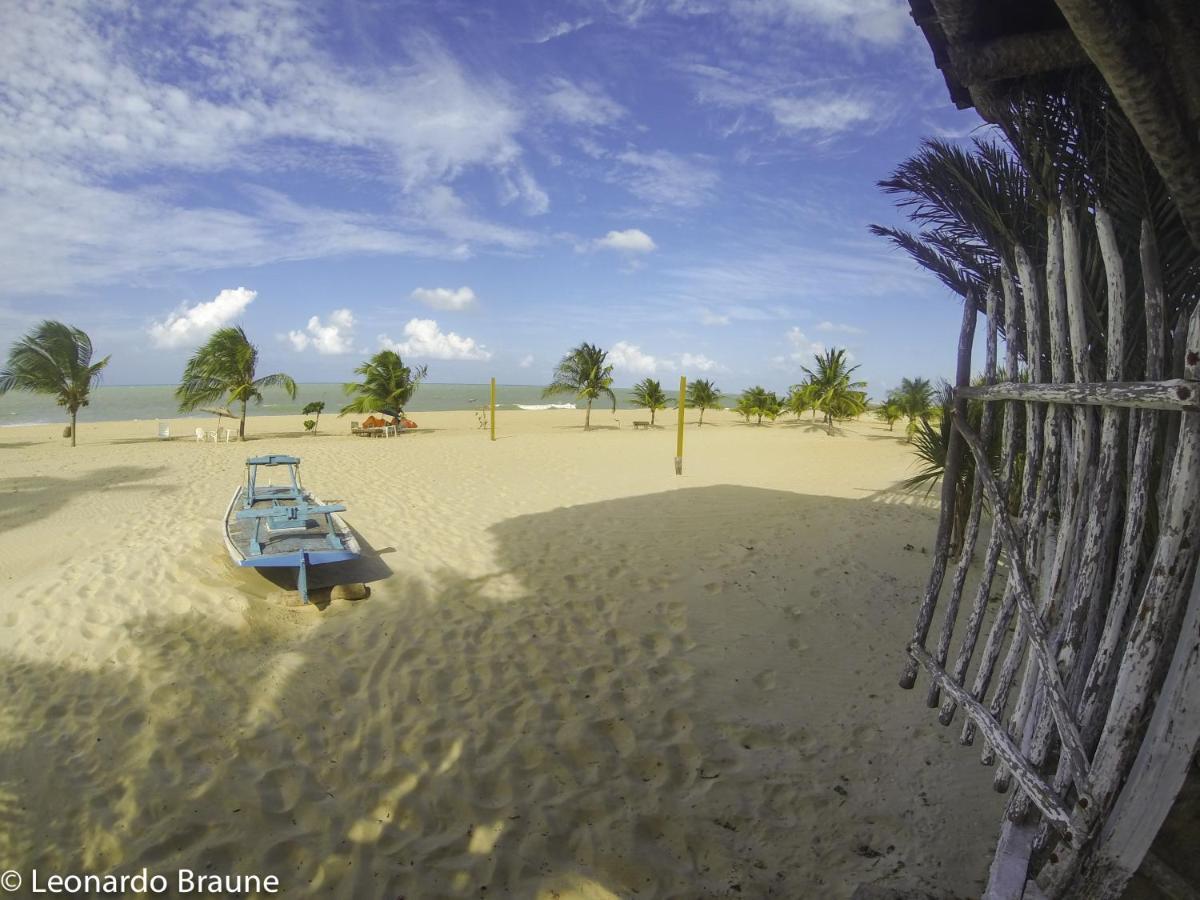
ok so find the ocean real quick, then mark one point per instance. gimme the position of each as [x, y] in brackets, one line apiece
[157, 401]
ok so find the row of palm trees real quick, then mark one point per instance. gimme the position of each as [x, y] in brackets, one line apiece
[829, 388]
[56, 359]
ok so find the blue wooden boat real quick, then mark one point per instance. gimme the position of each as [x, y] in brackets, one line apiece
[283, 525]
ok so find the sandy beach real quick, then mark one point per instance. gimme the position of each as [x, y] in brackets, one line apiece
[577, 675]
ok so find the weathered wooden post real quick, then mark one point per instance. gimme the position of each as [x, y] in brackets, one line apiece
[492, 413]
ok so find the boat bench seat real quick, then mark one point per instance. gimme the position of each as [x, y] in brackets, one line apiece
[298, 512]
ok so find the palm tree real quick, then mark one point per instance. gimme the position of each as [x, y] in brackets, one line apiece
[54, 359]
[758, 401]
[915, 399]
[890, 411]
[702, 394]
[226, 364]
[802, 397]
[648, 394]
[836, 395]
[582, 372]
[386, 387]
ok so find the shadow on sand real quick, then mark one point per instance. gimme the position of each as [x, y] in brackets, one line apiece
[28, 498]
[573, 720]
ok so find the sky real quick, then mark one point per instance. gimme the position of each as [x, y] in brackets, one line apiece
[479, 186]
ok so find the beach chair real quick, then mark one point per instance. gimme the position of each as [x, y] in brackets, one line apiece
[201, 435]
[164, 431]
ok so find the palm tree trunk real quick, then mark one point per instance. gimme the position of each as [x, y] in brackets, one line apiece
[701, 422]
[242, 424]
[73, 413]
[652, 412]
[587, 418]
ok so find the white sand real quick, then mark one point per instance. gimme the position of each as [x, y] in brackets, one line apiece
[577, 675]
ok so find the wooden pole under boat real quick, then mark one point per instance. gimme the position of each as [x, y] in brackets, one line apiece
[492, 414]
[679, 432]
[302, 578]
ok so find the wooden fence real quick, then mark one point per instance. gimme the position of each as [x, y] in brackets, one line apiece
[1078, 663]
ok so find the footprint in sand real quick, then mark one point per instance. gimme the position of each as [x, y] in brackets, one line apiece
[765, 680]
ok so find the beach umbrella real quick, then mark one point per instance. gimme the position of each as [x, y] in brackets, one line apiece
[221, 412]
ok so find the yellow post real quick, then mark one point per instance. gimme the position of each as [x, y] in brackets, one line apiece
[492, 415]
[679, 432]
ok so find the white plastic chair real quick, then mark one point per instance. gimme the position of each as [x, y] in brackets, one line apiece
[200, 435]
[164, 431]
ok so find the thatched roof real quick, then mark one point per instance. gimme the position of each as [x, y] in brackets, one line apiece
[1146, 51]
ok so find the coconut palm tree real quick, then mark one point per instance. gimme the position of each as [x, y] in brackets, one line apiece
[802, 398]
[837, 396]
[702, 394]
[648, 394]
[54, 359]
[386, 387]
[583, 372]
[890, 411]
[758, 401]
[226, 364]
[915, 398]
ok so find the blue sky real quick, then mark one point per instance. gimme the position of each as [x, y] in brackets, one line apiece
[479, 185]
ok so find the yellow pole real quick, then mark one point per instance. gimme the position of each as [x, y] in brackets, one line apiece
[679, 432]
[492, 416]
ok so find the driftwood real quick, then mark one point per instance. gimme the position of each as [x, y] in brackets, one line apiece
[1173, 394]
[1099, 541]
[950, 471]
[971, 533]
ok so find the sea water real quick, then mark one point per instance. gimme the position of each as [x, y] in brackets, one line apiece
[112, 403]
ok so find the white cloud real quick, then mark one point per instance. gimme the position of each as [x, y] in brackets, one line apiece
[839, 327]
[803, 349]
[526, 361]
[699, 362]
[189, 324]
[874, 22]
[561, 29]
[96, 140]
[582, 104]
[629, 358]
[827, 114]
[332, 337]
[631, 240]
[708, 317]
[423, 339]
[666, 179]
[445, 298]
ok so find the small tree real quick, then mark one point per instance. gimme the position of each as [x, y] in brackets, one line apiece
[648, 394]
[54, 359]
[583, 372]
[315, 408]
[702, 394]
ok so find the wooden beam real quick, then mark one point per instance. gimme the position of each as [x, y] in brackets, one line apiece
[1039, 640]
[1118, 43]
[1018, 55]
[1174, 394]
[941, 547]
[1052, 808]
